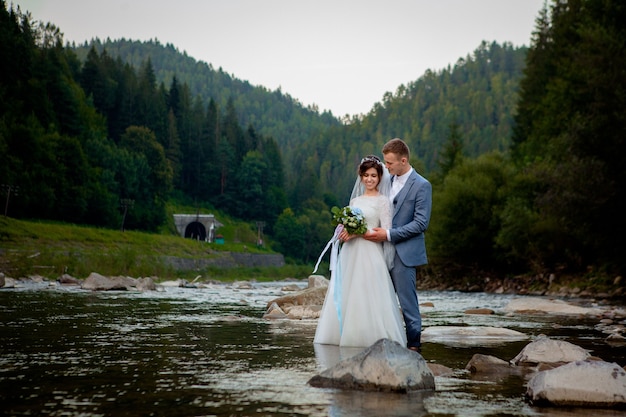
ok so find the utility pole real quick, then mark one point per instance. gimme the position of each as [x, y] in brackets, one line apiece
[259, 227]
[8, 188]
[125, 203]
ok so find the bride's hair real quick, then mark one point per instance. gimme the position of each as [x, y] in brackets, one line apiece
[384, 185]
[371, 161]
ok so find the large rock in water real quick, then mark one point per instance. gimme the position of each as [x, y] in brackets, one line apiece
[97, 282]
[470, 335]
[542, 305]
[307, 297]
[581, 383]
[384, 366]
[548, 351]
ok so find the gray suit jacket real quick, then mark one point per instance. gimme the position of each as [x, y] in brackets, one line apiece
[411, 215]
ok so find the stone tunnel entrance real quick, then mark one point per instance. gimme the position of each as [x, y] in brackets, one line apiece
[197, 226]
[195, 230]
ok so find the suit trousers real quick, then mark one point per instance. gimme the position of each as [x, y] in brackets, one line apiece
[404, 282]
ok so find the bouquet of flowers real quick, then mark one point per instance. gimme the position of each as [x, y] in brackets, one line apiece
[351, 218]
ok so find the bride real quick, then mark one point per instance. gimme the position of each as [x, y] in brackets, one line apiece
[361, 305]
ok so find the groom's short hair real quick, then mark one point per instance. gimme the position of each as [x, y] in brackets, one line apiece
[397, 146]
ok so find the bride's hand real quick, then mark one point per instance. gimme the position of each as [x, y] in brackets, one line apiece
[344, 236]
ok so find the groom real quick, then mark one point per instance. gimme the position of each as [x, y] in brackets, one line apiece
[411, 196]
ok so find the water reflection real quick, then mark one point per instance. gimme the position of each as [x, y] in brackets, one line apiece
[197, 352]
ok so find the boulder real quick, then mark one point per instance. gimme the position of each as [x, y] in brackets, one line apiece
[385, 366]
[9, 282]
[308, 297]
[487, 364]
[303, 312]
[579, 384]
[128, 282]
[318, 281]
[542, 305]
[616, 339]
[242, 285]
[37, 278]
[97, 282]
[2, 281]
[440, 370]
[146, 284]
[470, 335]
[548, 351]
[274, 312]
[67, 279]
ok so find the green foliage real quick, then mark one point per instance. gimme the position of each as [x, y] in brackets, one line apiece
[452, 152]
[272, 113]
[290, 235]
[316, 217]
[569, 135]
[466, 210]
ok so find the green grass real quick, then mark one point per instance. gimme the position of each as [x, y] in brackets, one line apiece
[51, 249]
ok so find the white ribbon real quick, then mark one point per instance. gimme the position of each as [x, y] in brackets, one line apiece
[335, 276]
[334, 253]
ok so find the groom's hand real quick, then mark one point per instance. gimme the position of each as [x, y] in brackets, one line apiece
[376, 235]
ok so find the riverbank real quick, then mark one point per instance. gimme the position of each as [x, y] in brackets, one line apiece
[590, 284]
[32, 248]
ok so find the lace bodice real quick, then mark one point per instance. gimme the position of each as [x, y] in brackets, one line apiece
[376, 210]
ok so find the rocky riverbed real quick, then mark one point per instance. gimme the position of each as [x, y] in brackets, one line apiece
[217, 349]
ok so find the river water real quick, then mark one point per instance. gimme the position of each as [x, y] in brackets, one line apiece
[209, 352]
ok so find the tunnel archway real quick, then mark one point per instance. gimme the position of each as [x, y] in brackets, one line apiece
[195, 230]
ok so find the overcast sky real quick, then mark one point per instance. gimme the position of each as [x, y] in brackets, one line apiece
[342, 55]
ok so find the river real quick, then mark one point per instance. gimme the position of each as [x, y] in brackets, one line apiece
[209, 352]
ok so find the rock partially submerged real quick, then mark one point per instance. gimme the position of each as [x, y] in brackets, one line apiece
[97, 282]
[306, 297]
[385, 366]
[274, 312]
[542, 305]
[579, 384]
[303, 304]
[487, 364]
[470, 335]
[548, 351]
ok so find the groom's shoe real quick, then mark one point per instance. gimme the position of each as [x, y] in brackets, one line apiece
[417, 349]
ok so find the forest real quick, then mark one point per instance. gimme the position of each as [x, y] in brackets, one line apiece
[523, 145]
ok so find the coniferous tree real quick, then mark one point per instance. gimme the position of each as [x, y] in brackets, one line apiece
[570, 138]
[172, 149]
[452, 153]
[148, 178]
[210, 185]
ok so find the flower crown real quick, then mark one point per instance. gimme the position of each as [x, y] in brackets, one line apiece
[372, 158]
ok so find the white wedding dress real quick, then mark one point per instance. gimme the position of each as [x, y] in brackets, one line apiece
[361, 305]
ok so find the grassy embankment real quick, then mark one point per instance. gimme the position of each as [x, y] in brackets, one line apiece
[51, 249]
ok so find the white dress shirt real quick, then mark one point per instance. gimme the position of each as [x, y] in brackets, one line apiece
[398, 182]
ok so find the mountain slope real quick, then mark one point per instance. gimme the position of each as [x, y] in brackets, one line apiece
[478, 95]
[272, 113]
